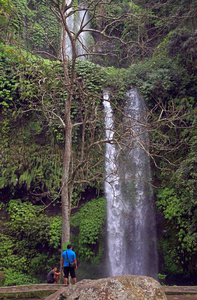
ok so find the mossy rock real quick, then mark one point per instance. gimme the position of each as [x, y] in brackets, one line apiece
[2, 279]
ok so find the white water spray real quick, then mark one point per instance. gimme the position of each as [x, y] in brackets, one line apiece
[131, 223]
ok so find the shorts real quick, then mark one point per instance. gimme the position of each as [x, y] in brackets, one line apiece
[51, 281]
[68, 270]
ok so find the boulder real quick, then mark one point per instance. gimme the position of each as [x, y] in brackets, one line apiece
[125, 287]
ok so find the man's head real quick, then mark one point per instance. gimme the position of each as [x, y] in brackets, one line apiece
[69, 246]
[55, 268]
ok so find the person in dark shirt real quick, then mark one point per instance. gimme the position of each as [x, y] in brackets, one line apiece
[53, 276]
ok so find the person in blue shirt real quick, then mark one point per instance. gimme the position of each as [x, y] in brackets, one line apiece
[69, 256]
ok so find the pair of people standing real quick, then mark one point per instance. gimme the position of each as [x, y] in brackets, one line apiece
[68, 257]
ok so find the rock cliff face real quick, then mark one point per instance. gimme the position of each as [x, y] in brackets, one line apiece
[126, 287]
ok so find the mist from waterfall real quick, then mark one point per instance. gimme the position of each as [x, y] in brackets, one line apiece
[131, 226]
[75, 22]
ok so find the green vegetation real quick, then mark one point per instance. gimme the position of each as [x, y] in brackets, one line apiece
[90, 220]
[25, 236]
[159, 57]
[30, 242]
[31, 147]
[31, 24]
[31, 163]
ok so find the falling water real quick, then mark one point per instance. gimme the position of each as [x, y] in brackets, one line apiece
[71, 26]
[82, 21]
[75, 22]
[130, 209]
[112, 190]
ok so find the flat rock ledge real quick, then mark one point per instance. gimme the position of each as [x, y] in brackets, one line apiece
[180, 290]
[125, 287]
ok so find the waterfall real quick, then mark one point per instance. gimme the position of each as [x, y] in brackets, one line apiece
[112, 190]
[82, 20]
[131, 226]
[71, 26]
[75, 22]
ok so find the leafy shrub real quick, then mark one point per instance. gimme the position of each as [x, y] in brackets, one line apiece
[14, 277]
[90, 219]
[29, 245]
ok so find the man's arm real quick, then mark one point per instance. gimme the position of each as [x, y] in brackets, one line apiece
[57, 273]
[75, 263]
[62, 262]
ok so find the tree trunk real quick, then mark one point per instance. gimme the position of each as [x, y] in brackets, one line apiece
[65, 195]
[67, 187]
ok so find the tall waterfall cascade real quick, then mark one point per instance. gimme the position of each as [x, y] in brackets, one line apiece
[75, 22]
[131, 226]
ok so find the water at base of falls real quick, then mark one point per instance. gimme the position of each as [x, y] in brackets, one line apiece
[131, 226]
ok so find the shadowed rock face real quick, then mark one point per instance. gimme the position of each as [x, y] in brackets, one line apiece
[125, 287]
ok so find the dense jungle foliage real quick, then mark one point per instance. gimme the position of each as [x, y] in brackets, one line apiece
[163, 67]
